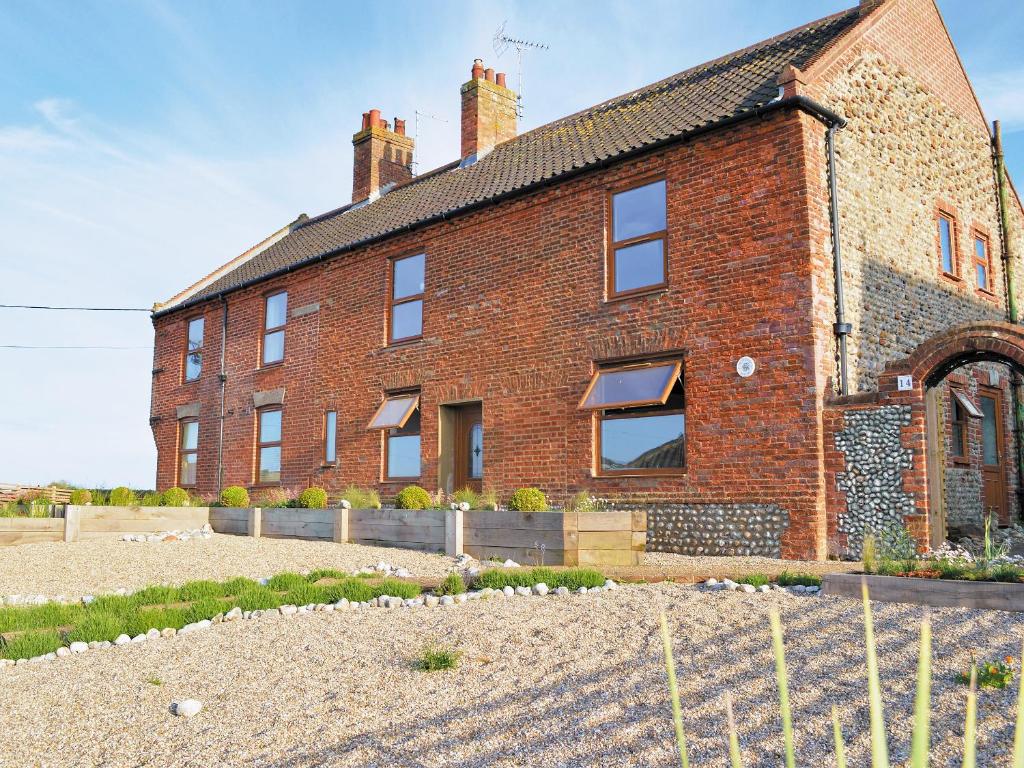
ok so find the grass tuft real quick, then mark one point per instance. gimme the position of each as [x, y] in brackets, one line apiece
[31, 644]
[435, 658]
[572, 578]
[199, 590]
[789, 579]
[452, 585]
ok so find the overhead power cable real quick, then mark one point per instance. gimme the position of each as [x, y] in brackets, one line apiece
[75, 309]
[31, 346]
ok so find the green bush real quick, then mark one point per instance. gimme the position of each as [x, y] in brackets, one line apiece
[571, 578]
[234, 496]
[361, 498]
[312, 498]
[753, 579]
[81, 496]
[528, 500]
[452, 585]
[467, 496]
[174, 497]
[434, 658]
[413, 497]
[31, 644]
[1006, 572]
[151, 499]
[123, 497]
[787, 579]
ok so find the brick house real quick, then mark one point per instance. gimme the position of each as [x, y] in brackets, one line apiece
[639, 301]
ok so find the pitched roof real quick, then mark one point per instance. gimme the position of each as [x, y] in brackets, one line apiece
[694, 99]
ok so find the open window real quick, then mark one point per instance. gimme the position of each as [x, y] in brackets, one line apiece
[641, 422]
[399, 418]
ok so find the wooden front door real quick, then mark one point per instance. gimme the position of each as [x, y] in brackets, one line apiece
[469, 447]
[993, 469]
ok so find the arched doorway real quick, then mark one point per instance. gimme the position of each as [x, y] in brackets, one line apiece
[944, 383]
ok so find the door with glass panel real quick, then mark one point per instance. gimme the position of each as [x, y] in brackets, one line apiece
[468, 470]
[993, 470]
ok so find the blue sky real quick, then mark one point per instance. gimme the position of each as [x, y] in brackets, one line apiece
[144, 143]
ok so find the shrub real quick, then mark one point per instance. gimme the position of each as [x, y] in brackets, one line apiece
[489, 499]
[234, 496]
[31, 644]
[413, 497]
[198, 590]
[271, 498]
[174, 497]
[81, 496]
[1006, 572]
[435, 658]
[571, 578]
[99, 498]
[151, 499]
[583, 502]
[284, 582]
[990, 674]
[206, 608]
[312, 498]
[361, 498]
[123, 497]
[787, 579]
[753, 579]
[467, 496]
[528, 500]
[452, 585]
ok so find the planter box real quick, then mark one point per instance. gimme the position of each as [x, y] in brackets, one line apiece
[30, 530]
[941, 593]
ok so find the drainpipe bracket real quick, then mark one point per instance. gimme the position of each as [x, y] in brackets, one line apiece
[842, 329]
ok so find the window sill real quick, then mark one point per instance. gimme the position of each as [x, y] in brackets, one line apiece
[190, 381]
[961, 462]
[270, 366]
[655, 474]
[987, 294]
[637, 294]
[329, 465]
[955, 279]
[409, 342]
[394, 480]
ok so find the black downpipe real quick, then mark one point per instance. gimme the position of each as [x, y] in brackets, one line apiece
[841, 327]
[223, 393]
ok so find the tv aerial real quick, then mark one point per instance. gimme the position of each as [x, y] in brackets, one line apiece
[416, 134]
[501, 43]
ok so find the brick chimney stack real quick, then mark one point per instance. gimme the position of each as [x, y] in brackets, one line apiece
[488, 110]
[381, 155]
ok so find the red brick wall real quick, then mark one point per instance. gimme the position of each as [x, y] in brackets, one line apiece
[515, 316]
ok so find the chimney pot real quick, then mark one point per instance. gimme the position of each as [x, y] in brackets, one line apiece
[400, 127]
[366, 120]
[489, 74]
[374, 118]
[478, 69]
[500, 79]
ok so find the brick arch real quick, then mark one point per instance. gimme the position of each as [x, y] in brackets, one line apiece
[935, 358]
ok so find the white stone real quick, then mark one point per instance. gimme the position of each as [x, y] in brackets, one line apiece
[78, 647]
[139, 639]
[105, 644]
[382, 566]
[609, 584]
[764, 588]
[510, 564]
[62, 651]
[523, 591]
[812, 589]
[561, 591]
[122, 640]
[447, 600]
[464, 506]
[153, 634]
[431, 601]
[507, 591]
[288, 610]
[748, 588]
[798, 589]
[234, 613]
[345, 504]
[263, 582]
[486, 592]
[51, 656]
[541, 588]
[402, 573]
[86, 599]
[581, 591]
[168, 632]
[329, 608]
[93, 644]
[461, 598]
[711, 583]
[186, 708]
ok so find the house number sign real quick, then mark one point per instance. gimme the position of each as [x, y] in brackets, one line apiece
[904, 383]
[746, 366]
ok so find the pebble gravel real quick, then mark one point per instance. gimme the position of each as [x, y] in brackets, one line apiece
[566, 680]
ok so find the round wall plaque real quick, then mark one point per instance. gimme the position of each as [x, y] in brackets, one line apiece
[745, 366]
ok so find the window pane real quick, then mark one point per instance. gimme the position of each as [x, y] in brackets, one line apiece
[393, 412]
[195, 333]
[982, 275]
[946, 244]
[193, 365]
[476, 451]
[189, 435]
[403, 456]
[646, 442]
[408, 276]
[989, 438]
[331, 426]
[270, 426]
[273, 347]
[187, 470]
[270, 464]
[277, 310]
[981, 267]
[643, 386]
[638, 266]
[639, 211]
[407, 320]
[957, 449]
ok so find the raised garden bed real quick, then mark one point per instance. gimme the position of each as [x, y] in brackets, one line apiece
[941, 593]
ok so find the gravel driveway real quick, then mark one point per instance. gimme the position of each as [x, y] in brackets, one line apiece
[103, 565]
[552, 681]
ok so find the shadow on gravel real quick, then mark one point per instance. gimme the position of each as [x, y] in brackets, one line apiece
[606, 702]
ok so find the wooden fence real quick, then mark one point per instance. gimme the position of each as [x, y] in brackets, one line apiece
[11, 492]
[531, 538]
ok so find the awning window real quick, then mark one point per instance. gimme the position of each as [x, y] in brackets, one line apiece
[630, 387]
[394, 412]
[972, 410]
